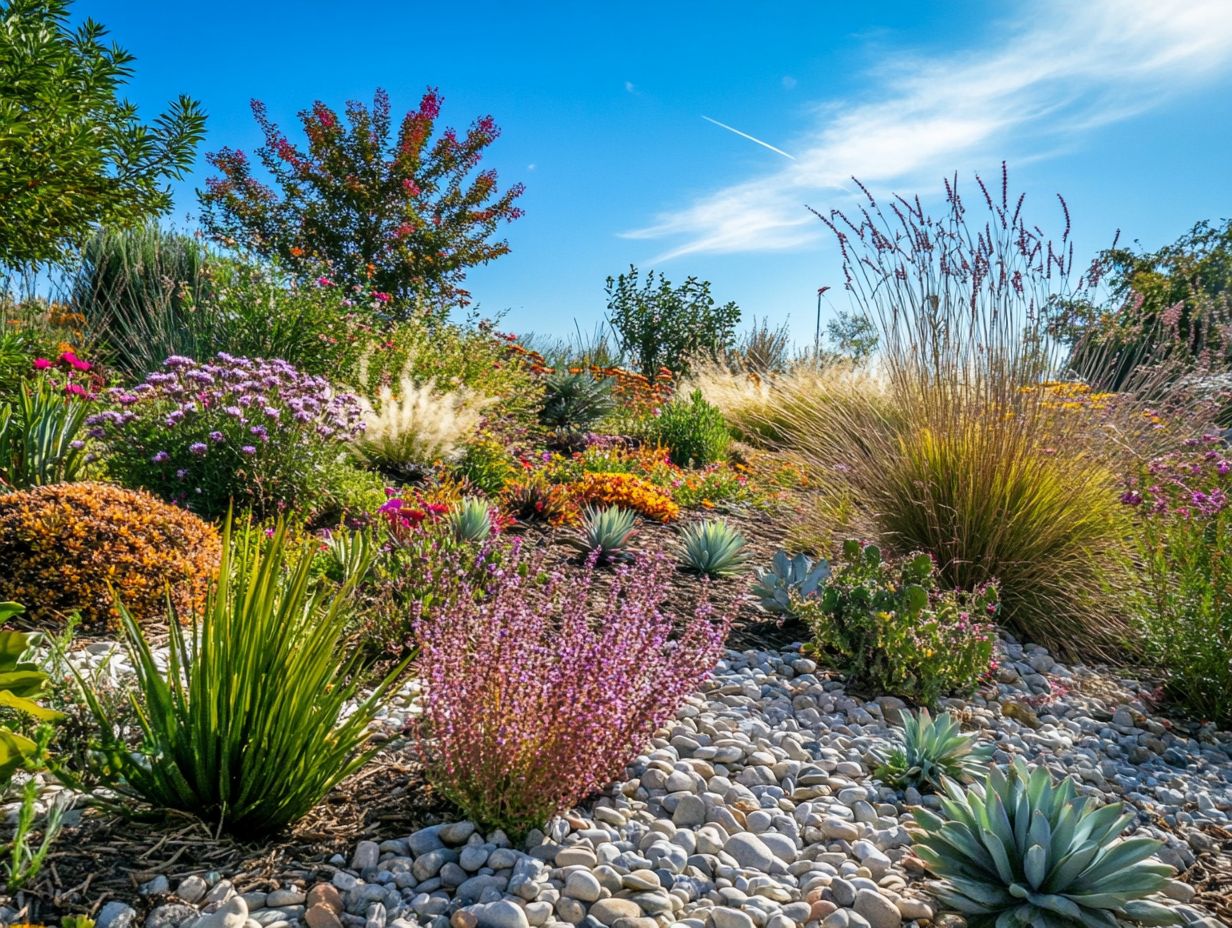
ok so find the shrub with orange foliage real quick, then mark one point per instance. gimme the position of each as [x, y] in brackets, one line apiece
[75, 547]
[629, 491]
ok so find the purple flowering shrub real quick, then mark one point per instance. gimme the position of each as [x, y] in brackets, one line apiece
[539, 692]
[1183, 535]
[245, 431]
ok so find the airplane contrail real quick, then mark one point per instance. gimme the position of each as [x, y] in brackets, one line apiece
[745, 135]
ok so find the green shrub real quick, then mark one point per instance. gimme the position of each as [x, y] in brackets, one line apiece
[1022, 850]
[933, 750]
[605, 533]
[692, 430]
[895, 633]
[712, 548]
[21, 683]
[1183, 601]
[487, 465]
[247, 728]
[575, 400]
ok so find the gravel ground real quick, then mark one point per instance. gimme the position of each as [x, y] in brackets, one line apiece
[755, 808]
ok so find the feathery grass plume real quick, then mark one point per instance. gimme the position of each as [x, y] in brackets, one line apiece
[249, 726]
[969, 438]
[535, 698]
[412, 426]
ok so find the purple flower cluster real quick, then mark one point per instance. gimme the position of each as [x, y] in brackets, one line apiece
[209, 433]
[540, 691]
[1193, 483]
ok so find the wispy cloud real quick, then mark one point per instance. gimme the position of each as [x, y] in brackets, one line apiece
[745, 135]
[1028, 91]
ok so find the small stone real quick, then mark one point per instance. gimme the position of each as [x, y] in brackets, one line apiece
[115, 914]
[463, 918]
[576, 856]
[914, 909]
[749, 851]
[231, 914]
[820, 909]
[641, 881]
[876, 909]
[502, 914]
[727, 917]
[837, 829]
[1180, 891]
[192, 888]
[155, 887]
[582, 884]
[281, 897]
[690, 811]
[321, 916]
[325, 894]
[171, 915]
[457, 832]
[608, 910]
[366, 855]
[473, 857]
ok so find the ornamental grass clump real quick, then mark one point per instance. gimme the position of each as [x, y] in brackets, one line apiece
[259, 712]
[1023, 850]
[245, 432]
[540, 692]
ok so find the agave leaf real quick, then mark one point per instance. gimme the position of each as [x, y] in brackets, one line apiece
[1066, 870]
[1061, 905]
[1119, 857]
[1146, 912]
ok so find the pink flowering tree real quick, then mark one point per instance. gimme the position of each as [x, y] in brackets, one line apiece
[540, 690]
[400, 213]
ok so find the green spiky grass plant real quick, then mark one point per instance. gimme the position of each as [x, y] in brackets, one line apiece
[470, 520]
[1021, 850]
[41, 437]
[712, 549]
[933, 749]
[575, 400]
[248, 726]
[605, 533]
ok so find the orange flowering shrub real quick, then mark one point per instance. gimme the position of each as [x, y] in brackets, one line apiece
[629, 491]
[67, 546]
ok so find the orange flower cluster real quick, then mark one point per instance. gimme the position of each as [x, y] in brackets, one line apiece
[629, 491]
[74, 547]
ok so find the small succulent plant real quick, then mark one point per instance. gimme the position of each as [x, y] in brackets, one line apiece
[712, 548]
[1023, 850]
[607, 530]
[787, 579]
[933, 749]
[470, 520]
[575, 401]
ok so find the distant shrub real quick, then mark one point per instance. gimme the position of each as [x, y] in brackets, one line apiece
[661, 326]
[692, 430]
[246, 432]
[74, 547]
[629, 491]
[894, 632]
[533, 701]
[409, 427]
[1183, 602]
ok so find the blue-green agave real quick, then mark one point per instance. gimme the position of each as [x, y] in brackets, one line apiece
[1023, 851]
[931, 750]
[789, 578]
[470, 520]
[607, 530]
[712, 548]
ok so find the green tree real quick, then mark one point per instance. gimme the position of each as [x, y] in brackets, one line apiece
[387, 212]
[659, 325]
[73, 155]
[1174, 302]
[852, 335]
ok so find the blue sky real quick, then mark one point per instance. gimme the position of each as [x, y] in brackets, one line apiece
[1121, 105]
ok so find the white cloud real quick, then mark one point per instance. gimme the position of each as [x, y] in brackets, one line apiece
[1064, 69]
[789, 82]
[630, 87]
